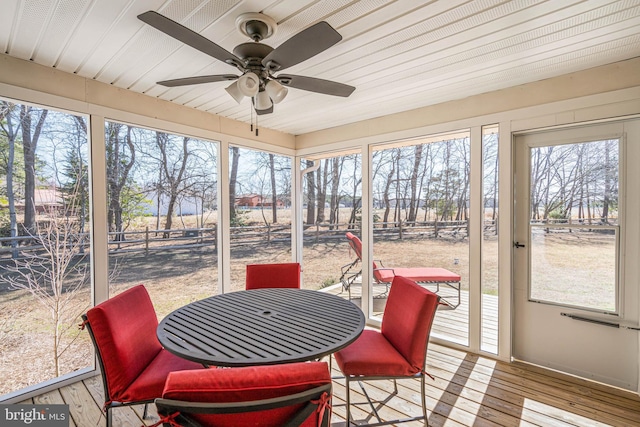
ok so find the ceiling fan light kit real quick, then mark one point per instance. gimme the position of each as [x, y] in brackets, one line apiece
[263, 102]
[249, 84]
[234, 91]
[258, 62]
[276, 91]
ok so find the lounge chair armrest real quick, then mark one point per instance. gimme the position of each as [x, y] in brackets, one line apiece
[385, 269]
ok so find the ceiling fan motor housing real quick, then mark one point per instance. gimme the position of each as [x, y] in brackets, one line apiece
[257, 26]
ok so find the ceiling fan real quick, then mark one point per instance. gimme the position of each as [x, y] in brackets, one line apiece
[257, 61]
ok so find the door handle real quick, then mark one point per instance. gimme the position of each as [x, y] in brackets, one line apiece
[518, 245]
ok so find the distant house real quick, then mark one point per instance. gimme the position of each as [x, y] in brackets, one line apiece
[255, 200]
[184, 205]
[249, 201]
[45, 200]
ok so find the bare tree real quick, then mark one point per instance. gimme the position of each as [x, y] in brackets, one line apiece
[334, 201]
[322, 175]
[174, 173]
[121, 157]
[55, 274]
[311, 195]
[274, 190]
[395, 153]
[11, 134]
[415, 197]
[30, 139]
[233, 181]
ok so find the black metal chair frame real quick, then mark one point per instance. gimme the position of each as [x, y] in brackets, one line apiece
[109, 404]
[168, 407]
[359, 379]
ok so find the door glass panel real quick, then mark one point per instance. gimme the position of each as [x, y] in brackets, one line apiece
[489, 283]
[574, 225]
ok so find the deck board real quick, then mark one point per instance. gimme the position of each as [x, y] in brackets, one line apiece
[468, 391]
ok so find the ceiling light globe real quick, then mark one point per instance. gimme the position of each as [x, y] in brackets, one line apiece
[234, 91]
[263, 102]
[276, 91]
[249, 84]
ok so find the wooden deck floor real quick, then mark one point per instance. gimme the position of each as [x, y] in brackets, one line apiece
[468, 390]
[450, 325]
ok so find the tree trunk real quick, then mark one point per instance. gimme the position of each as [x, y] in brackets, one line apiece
[174, 179]
[11, 198]
[607, 185]
[311, 195]
[30, 144]
[334, 201]
[414, 198]
[233, 177]
[321, 190]
[274, 195]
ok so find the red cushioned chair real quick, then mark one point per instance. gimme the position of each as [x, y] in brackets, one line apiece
[399, 349]
[285, 275]
[296, 394]
[133, 364]
[384, 275]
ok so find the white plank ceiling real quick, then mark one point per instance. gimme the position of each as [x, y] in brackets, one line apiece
[399, 55]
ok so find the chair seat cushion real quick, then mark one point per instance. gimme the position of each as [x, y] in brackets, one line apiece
[151, 381]
[248, 384]
[372, 355]
[417, 274]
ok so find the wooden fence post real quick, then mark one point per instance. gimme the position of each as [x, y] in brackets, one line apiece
[146, 240]
[317, 232]
[400, 228]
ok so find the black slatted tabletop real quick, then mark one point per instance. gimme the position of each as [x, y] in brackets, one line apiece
[261, 327]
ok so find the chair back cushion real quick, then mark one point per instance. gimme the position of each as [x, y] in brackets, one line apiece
[286, 275]
[355, 243]
[246, 385]
[407, 319]
[124, 330]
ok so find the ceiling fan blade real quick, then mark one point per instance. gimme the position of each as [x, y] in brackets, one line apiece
[316, 85]
[198, 80]
[302, 46]
[189, 37]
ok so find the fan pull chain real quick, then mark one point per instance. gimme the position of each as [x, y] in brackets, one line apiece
[256, 123]
[251, 115]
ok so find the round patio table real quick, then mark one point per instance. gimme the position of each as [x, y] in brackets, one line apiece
[261, 327]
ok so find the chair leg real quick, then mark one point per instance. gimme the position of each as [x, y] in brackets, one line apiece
[424, 400]
[108, 416]
[146, 410]
[348, 401]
